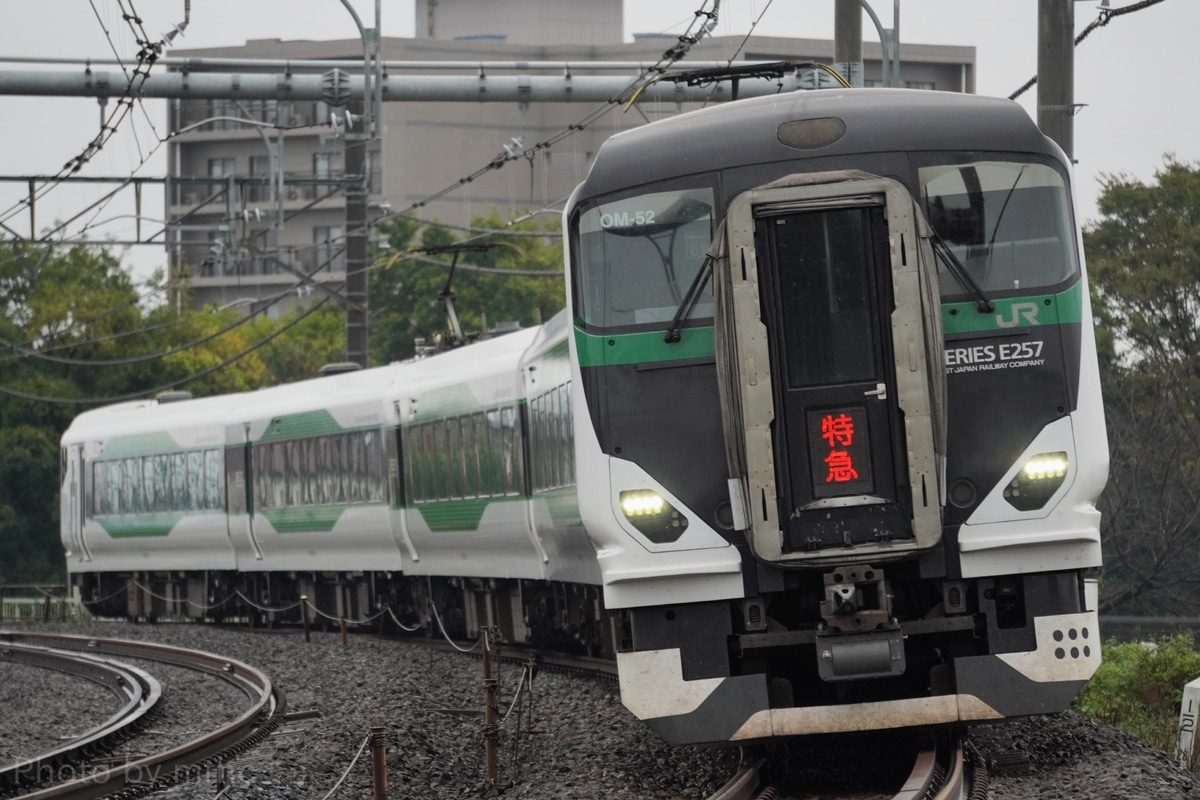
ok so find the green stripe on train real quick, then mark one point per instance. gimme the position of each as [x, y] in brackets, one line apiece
[458, 515]
[300, 426]
[306, 519]
[642, 348]
[1009, 313]
[141, 444]
[129, 526]
[1015, 312]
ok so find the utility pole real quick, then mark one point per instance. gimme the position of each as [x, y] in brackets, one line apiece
[357, 163]
[356, 166]
[847, 40]
[1056, 72]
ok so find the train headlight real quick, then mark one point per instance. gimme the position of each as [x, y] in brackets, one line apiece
[1037, 481]
[652, 515]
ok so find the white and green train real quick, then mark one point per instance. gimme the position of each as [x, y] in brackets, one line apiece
[815, 447]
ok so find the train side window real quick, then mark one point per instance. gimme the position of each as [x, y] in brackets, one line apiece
[194, 479]
[160, 480]
[99, 489]
[371, 467]
[456, 468]
[177, 480]
[278, 498]
[145, 498]
[512, 451]
[414, 460]
[320, 468]
[470, 429]
[116, 480]
[214, 485]
[260, 466]
[493, 477]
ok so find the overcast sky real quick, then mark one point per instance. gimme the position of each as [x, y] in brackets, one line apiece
[1136, 77]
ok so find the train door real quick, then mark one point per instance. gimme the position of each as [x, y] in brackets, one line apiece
[239, 477]
[848, 461]
[73, 502]
[827, 298]
[396, 490]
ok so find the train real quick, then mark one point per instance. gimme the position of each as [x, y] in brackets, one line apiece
[814, 447]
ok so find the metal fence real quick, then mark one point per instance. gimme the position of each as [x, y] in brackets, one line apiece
[38, 603]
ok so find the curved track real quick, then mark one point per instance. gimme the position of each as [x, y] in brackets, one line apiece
[938, 773]
[265, 710]
[138, 691]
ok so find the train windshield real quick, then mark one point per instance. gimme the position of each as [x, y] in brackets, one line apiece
[636, 257]
[1008, 222]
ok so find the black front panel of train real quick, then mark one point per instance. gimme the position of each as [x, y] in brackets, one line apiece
[666, 418]
[999, 402]
[826, 300]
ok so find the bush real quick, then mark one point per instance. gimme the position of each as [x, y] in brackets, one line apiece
[1139, 688]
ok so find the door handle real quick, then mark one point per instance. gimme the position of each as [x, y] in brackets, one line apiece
[879, 391]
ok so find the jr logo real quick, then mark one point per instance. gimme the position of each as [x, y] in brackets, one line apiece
[1027, 310]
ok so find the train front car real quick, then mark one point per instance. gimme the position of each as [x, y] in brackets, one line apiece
[852, 486]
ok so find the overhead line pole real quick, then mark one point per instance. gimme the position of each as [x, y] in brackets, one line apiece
[1056, 72]
[847, 40]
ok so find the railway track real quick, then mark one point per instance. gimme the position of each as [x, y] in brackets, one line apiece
[142, 775]
[939, 773]
[137, 690]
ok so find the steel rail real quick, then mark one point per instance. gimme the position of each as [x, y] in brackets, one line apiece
[144, 775]
[139, 691]
[954, 784]
[937, 773]
[744, 785]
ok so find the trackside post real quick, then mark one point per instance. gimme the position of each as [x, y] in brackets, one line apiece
[1189, 709]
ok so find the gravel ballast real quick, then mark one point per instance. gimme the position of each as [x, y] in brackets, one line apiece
[573, 739]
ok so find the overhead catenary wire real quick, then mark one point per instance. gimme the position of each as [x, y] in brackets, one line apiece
[701, 25]
[139, 359]
[706, 20]
[22, 351]
[8, 390]
[147, 54]
[1106, 15]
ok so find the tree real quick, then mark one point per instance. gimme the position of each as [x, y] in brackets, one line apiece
[79, 332]
[1144, 258]
[405, 286]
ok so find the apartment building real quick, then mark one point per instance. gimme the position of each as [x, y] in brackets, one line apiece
[257, 205]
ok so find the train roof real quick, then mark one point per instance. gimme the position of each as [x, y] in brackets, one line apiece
[141, 416]
[876, 120]
[181, 421]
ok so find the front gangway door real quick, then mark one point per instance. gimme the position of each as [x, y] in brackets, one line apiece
[826, 342]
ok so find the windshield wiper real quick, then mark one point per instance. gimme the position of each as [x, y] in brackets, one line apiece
[942, 251]
[688, 304]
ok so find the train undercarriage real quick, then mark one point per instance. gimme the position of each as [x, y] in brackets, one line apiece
[548, 614]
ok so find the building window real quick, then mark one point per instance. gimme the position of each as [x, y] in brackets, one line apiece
[220, 167]
[256, 191]
[919, 85]
[326, 165]
[329, 250]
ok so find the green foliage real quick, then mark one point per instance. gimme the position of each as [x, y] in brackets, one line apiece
[1139, 688]
[405, 287]
[67, 310]
[1144, 256]
[29, 549]
[1144, 260]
